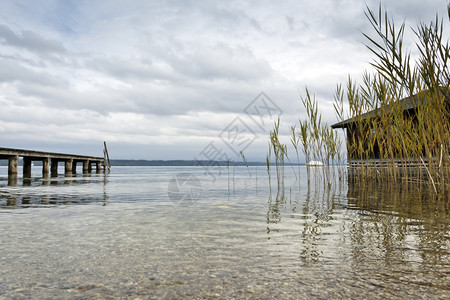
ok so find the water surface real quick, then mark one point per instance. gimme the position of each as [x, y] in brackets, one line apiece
[121, 235]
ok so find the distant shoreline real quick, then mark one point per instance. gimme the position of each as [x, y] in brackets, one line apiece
[179, 163]
[166, 163]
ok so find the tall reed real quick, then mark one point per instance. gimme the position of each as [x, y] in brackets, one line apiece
[295, 140]
[268, 167]
[244, 159]
[279, 151]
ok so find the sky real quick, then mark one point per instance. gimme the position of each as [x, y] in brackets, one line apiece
[177, 79]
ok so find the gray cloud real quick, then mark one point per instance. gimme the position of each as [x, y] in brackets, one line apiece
[222, 62]
[13, 71]
[30, 40]
[129, 68]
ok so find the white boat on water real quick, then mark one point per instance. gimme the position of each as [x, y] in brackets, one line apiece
[315, 163]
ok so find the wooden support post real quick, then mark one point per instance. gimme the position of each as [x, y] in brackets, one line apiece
[12, 180]
[12, 165]
[86, 166]
[98, 167]
[26, 167]
[89, 167]
[106, 161]
[54, 167]
[74, 167]
[68, 166]
[45, 166]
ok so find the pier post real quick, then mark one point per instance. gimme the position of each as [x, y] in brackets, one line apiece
[86, 166]
[89, 167]
[12, 180]
[12, 165]
[12, 170]
[26, 167]
[54, 167]
[98, 167]
[74, 167]
[45, 166]
[68, 166]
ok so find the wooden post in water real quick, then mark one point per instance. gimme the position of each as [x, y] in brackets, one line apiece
[12, 165]
[86, 164]
[12, 180]
[106, 161]
[54, 167]
[74, 166]
[12, 170]
[98, 167]
[68, 166]
[45, 166]
[26, 167]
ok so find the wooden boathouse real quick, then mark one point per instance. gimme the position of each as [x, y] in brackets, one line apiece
[361, 129]
[49, 161]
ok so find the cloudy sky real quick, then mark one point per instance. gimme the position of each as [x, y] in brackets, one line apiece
[175, 79]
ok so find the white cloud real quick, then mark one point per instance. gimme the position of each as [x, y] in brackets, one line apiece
[160, 79]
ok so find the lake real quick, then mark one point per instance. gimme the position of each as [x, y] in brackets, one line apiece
[176, 232]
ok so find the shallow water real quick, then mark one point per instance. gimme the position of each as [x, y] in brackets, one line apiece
[134, 234]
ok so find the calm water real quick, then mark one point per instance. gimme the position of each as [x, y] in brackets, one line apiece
[136, 233]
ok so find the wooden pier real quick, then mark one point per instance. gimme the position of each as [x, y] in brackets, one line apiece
[49, 161]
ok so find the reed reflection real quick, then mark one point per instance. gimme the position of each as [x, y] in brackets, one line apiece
[321, 201]
[368, 224]
[314, 207]
[399, 223]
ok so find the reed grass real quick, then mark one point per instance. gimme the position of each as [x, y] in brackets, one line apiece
[410, 143]
[280, 153]
[295, 140]
[244, 159]
[268, 167]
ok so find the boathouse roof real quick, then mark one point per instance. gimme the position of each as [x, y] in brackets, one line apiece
[409, 104]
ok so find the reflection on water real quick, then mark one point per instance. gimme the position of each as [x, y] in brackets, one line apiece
[386, 236]
[400, 219]
[241, 239]
[43, 192]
